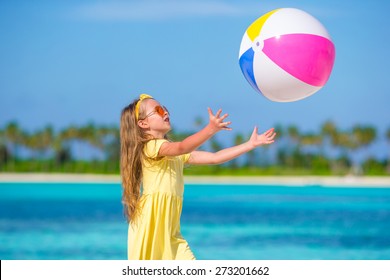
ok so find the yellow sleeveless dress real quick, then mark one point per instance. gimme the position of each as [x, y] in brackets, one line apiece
[155, 234]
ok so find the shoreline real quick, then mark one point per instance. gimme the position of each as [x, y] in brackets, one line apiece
[329, 181]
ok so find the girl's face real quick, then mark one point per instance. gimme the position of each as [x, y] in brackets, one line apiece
[156, 119]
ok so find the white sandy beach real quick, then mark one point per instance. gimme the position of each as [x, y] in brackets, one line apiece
[329, 181]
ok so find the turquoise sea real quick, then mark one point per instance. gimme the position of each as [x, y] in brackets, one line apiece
[85, 221]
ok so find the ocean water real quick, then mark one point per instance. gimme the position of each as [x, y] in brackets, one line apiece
[62, 221]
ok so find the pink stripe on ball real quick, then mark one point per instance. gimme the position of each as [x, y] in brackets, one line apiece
[307, 57]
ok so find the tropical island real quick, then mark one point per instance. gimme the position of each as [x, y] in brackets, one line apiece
[329, 151]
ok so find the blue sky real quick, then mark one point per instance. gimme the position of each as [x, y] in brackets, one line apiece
[74, 62]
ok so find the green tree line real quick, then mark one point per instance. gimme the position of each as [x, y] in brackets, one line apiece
[328, 151]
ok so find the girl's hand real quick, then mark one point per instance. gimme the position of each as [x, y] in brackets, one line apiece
[262, 139]
[217, 121]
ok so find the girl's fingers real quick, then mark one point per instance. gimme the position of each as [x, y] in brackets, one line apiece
[218, 120]
[224, 124]
[269, 131]
[218, 113]
[224, 117]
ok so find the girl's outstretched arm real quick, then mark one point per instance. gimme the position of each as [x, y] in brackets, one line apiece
[191, 143]
[200, 157]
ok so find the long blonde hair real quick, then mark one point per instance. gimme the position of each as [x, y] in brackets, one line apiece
[133, 139]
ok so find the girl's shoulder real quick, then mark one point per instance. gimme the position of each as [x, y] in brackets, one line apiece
[152, 147]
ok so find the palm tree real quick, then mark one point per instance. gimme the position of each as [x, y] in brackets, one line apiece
[328, 128]
[343, 141]
[45, 138]
[294, 157]
[14, 136]
[96, 136]
[92, 135]
[4, 156]
[42, 141]
[112, 148]
[62, 144]
[279, 130]
[339, 140]
[4, 153]
[293, 133]
[362, 137]
[2, 137]
[281, 152]
[108, 141]
[69, 133]
[311, 139]
[328, 132]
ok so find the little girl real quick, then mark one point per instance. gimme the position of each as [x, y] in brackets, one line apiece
[150, 160]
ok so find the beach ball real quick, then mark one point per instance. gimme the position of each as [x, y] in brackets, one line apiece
[286, 55]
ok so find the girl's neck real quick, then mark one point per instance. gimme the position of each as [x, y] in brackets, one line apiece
[156, 135]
